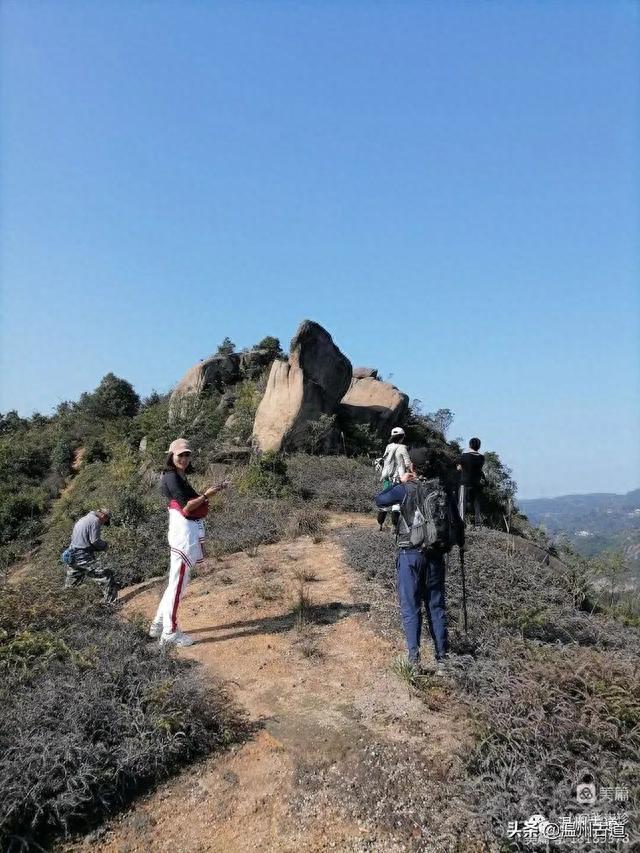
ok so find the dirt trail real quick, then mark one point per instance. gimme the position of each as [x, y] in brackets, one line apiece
[335, 722]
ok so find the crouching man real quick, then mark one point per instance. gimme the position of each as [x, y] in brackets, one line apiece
[429, 525]
[83, 554]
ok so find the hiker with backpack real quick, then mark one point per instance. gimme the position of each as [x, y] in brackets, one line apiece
[428, 527]
[82, 557]
[187, 508]
[393, 463]
[471, 479]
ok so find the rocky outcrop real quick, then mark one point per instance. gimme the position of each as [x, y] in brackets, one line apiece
[218, 373]
[310, 384]
[231, 455]
[226, 403]
[373, 403]
[316, 380]
[365, 373]
[215, 373]
[254, 361]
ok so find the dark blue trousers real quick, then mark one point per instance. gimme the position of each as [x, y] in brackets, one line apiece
[420, 578]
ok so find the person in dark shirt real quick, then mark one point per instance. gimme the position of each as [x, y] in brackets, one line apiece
[420, 580]
[186, 508]
[176, 487]
[471, 479]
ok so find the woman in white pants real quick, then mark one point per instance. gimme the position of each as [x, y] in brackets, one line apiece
[186, 508]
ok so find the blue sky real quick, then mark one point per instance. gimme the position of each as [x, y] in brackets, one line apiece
[450, 188]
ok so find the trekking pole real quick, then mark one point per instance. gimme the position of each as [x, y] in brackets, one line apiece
[464, 590]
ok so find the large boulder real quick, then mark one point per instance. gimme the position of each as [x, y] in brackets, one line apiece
[215, 373]
[310, 384]
[371, 402]
[218, 373]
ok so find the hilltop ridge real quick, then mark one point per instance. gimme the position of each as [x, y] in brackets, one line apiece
[298, 581]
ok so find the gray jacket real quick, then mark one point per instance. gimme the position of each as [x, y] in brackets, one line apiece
[86, 534]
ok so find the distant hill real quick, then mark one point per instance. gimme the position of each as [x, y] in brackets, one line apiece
[593, 523]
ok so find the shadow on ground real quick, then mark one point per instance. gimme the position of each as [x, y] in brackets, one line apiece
[312, 614]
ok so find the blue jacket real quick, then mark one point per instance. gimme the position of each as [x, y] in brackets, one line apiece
[393, 495]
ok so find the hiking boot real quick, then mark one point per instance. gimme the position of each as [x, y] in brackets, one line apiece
[178, 639]
[155, 630]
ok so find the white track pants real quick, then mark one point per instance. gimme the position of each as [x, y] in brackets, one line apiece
[185, 542]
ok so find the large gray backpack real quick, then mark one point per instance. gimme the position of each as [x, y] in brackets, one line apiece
[426, 517]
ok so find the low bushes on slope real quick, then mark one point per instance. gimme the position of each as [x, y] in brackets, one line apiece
[91, 712]
[555, 691]
[334, 482]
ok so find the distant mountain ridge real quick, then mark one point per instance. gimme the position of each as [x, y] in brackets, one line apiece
[588, 499]
[593, 523]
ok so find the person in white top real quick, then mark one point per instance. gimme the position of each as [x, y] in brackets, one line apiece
[392, 465]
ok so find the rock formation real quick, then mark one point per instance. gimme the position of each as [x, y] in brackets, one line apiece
[365, 372]
[216, 372]
[219, 373]
[371, 402]
[310, 384]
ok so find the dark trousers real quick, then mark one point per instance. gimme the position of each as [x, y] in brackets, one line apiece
[382, 513]
[469, 496]
[420, 578]
[395, 516]
[90, 567]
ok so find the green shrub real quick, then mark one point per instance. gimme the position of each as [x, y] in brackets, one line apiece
[23, 459]
[272, 345]
[20, 512]
[320, 434]
[96, 451]
[498, 492]
[248, 396]
[227, 347]
[138, 551]
[265, 477]
[360, 439]
[12, 423]
[130, 509]
[113, 398]
[62, 457]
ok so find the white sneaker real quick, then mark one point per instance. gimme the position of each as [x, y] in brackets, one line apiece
[176, 639]
[155, 630]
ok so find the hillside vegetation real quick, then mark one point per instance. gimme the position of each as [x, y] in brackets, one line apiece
[92, 714]
[554, 688]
